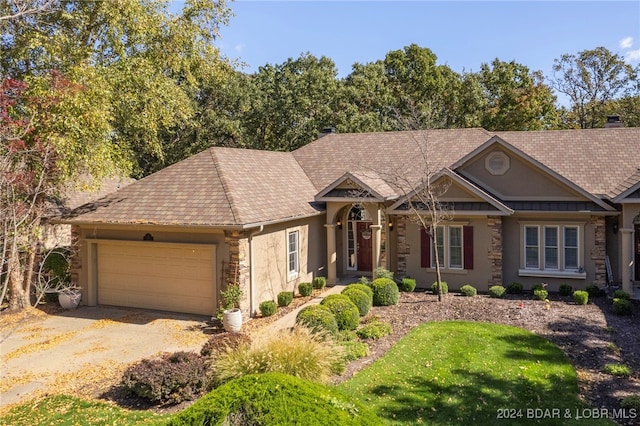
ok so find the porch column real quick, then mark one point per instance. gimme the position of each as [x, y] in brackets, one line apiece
[332, 276]
[627, 259]
[376, 238]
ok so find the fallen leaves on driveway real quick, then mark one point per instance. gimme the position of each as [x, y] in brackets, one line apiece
[39, 346]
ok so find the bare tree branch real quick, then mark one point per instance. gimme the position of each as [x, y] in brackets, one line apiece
[14, 9]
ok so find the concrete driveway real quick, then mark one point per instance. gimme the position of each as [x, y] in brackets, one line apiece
[83, 350]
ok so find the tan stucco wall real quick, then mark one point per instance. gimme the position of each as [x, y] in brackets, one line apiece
[520, 181]
[270, 263]
[479, 276]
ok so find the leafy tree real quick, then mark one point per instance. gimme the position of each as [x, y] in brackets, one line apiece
[590, 80]
[516, 99]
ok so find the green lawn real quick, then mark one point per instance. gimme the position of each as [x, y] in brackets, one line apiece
[441, 373]
[456, 372]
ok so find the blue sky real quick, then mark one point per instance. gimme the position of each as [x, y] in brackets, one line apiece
[462, 34]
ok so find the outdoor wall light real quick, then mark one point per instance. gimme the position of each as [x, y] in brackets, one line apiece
[390, 226]
[615, 227]
[147, 237]
[339, 223]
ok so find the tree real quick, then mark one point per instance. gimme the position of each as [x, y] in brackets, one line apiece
[590, 80]
[516, 99]
[12, 9]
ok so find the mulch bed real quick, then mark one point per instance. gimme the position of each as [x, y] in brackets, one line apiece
[585, 334]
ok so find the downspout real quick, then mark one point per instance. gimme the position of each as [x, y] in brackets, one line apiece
[251, 270]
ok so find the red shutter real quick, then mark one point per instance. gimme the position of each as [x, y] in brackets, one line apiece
[467, 241]
[425, 249]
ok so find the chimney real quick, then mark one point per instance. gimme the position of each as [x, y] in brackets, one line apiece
[326, 131]
[613, 121]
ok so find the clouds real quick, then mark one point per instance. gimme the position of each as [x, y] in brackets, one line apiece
[630, 55]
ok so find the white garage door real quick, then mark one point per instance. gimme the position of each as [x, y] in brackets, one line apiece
[164, 276]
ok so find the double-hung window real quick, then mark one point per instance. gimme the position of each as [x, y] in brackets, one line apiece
[549, 248]
[293, 253]
[454, 246]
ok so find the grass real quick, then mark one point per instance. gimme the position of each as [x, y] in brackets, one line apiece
[455, 372]
[68, 410]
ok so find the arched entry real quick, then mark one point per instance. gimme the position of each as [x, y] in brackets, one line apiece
[359, 239]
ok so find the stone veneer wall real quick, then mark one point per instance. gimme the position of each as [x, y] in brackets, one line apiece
[237, 268]
[495, 250]
[403, 247]
[598, 251]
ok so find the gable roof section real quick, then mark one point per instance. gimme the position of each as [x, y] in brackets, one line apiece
[219, 187]
[628, 190]
[364, 185]
[497, 140]
[484, 203]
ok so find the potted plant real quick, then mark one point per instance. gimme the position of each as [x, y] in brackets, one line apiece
[69, 297]
[231, 314]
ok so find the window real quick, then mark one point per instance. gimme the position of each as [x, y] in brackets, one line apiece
[292, 252]
[551, 249]
[454, 244]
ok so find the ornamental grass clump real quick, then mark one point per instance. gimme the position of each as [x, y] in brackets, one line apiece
[298, 352]
[223, 342]
[344, 310]
[468, 290]
[580, 297]
[497, 292]
[385, 292]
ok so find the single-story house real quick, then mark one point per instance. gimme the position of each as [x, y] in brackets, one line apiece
[533, 206]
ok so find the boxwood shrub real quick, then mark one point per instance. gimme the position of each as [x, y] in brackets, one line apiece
[621, 294]
[343, 309]
[540, 294]
[593, 290]
[359, 298]
[622, 306]
[364, 287]
[445, 287]
[169, 379]
[285, 298]
[319, 283]
[317, 318]
[305, 289]
[385, 292]
[275, 399]
[468, 290]
[565, 290]
[268, 308]
[408, 285]
[580, 297]
[497, 291]
[515, 288]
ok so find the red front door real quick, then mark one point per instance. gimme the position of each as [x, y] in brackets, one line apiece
[363, 232]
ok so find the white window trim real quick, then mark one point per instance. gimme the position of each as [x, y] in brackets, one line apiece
[446, 262]
[292, 274]
[561, 271]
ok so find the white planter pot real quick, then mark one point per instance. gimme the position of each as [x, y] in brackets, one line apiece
[69, 299]
[232, 320]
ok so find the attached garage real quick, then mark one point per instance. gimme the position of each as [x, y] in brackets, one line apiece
[173, 277]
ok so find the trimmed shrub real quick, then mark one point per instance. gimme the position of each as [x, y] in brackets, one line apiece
[318, 319]
[497, 292]
[540, 294]
[408, 285]
[515, 288]
[305, 289]
[367, 289]
[364, 280]
[268, 308]
[354, 349]
[385, 292]
[434, 287]
[618, 370]
[343, 309]
[297, 351]
[565, 290]
[223, 342]
[381, 272]
[374, 330]
[593, 290]
[170, 379]
[621, 294]
[580, 297]
[537, 287]
[622, 307]
[285, 298]
[468, 290]
[360, 299]
[319, 283]
[275, 399]
[631, 401]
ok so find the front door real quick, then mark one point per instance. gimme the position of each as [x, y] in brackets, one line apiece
[636, 254]
[363, 233]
